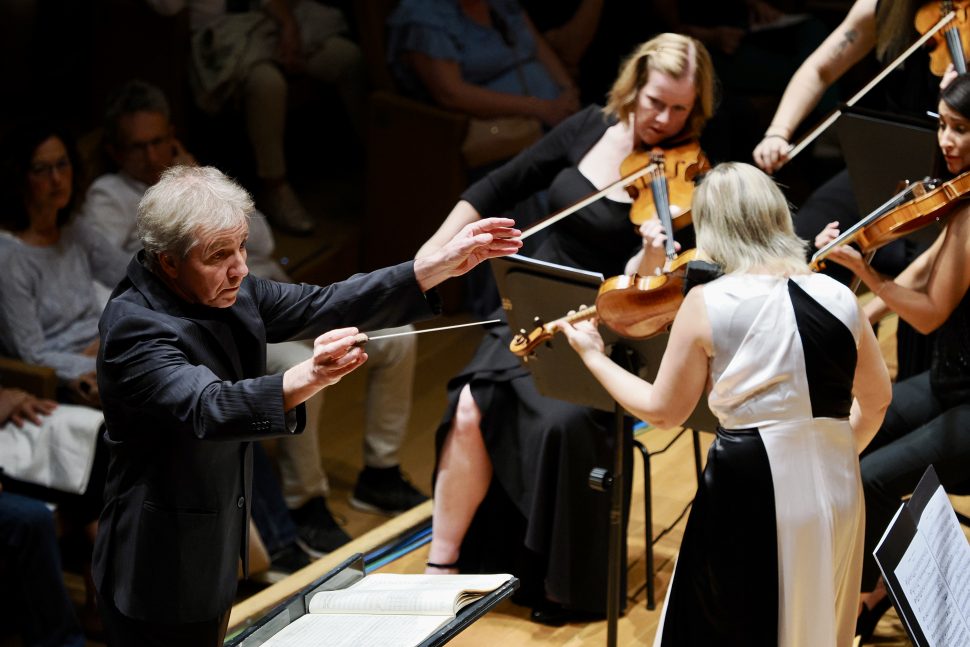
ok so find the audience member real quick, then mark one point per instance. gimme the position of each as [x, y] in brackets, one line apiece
[247, 52]
[756, 49]
[568, 27]
[48, 308]
[480, 57]
[138, 137]
[36, 604]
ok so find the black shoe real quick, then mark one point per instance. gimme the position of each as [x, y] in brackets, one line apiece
[317, 531]
[868, 618]
[288, 559]
[554, 614]
[385, 491]
[550, 614]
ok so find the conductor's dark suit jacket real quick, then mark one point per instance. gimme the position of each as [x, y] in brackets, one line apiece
[184, 395]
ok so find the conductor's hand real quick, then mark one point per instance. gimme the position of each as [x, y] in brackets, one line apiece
[336, 354]
[476, 242]
[771, 153]
[583, 337]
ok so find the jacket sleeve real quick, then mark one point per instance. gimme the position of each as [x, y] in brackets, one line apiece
[380, 299]
[145, 370]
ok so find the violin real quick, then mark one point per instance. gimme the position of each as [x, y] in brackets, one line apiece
[634, 306]
[681, 166]
[685, 161]
[915, 207]
[952, 41]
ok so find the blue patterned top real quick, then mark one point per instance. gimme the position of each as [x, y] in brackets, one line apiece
[500, 58]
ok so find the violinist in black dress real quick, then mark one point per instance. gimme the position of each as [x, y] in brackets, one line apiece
[511, 488]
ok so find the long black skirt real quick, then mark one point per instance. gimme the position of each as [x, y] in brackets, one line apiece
[540, 520]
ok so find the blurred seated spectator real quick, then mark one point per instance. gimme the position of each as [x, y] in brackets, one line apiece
[245, 52]
[34, 601]
[756, 49]
[568, 26]
[48, 452]
[137, 115]
[480, 57]
[49, 310]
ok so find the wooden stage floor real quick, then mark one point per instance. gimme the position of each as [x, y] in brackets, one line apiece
[440, 356]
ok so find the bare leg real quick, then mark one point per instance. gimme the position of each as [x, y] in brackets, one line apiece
[464, 474]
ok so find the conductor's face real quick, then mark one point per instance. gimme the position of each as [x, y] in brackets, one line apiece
[213, 270]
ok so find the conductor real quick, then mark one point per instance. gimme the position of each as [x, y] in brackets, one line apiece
[181, 370]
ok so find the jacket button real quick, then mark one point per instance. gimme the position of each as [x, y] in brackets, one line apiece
[241, 502]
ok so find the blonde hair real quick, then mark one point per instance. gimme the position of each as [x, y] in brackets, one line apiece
[895, 28]
[185, 204]
[742, 221]
[677, 56]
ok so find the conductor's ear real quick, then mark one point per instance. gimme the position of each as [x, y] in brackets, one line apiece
[168, 264]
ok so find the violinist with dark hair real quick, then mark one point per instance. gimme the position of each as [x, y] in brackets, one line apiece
[930, 412]
[510, 482]
[885, 28]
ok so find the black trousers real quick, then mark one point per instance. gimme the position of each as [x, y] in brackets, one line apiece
[919, 430]
[122, 631]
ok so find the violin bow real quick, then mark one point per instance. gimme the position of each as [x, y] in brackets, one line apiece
[799, 146]
[593, 197]
[850, 234]
[363, 338]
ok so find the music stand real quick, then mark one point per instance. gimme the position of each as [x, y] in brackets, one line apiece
[531, 288]
[906, 149]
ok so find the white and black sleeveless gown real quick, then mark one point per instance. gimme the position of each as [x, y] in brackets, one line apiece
[772, 551]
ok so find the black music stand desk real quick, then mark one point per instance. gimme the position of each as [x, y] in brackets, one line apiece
[347, 573]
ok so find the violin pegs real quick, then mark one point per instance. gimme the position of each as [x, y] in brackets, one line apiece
[523, 332]
[538, 322]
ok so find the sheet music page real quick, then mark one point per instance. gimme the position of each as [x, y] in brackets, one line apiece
[926, 582]
[405, 593]
[338, 630]
[949, 545]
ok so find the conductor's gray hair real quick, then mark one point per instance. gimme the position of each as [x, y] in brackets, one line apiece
[187, 203]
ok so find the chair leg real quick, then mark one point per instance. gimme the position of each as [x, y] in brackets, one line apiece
[648, 523]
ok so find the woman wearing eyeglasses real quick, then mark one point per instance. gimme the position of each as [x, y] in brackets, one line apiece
[49, 262]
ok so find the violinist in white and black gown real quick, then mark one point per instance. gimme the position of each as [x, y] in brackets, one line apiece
[772, 551]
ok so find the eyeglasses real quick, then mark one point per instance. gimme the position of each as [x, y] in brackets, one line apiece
[47, 168]
[142, 148]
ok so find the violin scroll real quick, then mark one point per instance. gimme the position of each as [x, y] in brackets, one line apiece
[524, 343]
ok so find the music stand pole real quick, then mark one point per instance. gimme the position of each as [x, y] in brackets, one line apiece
[614, 561]
[615, 481]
